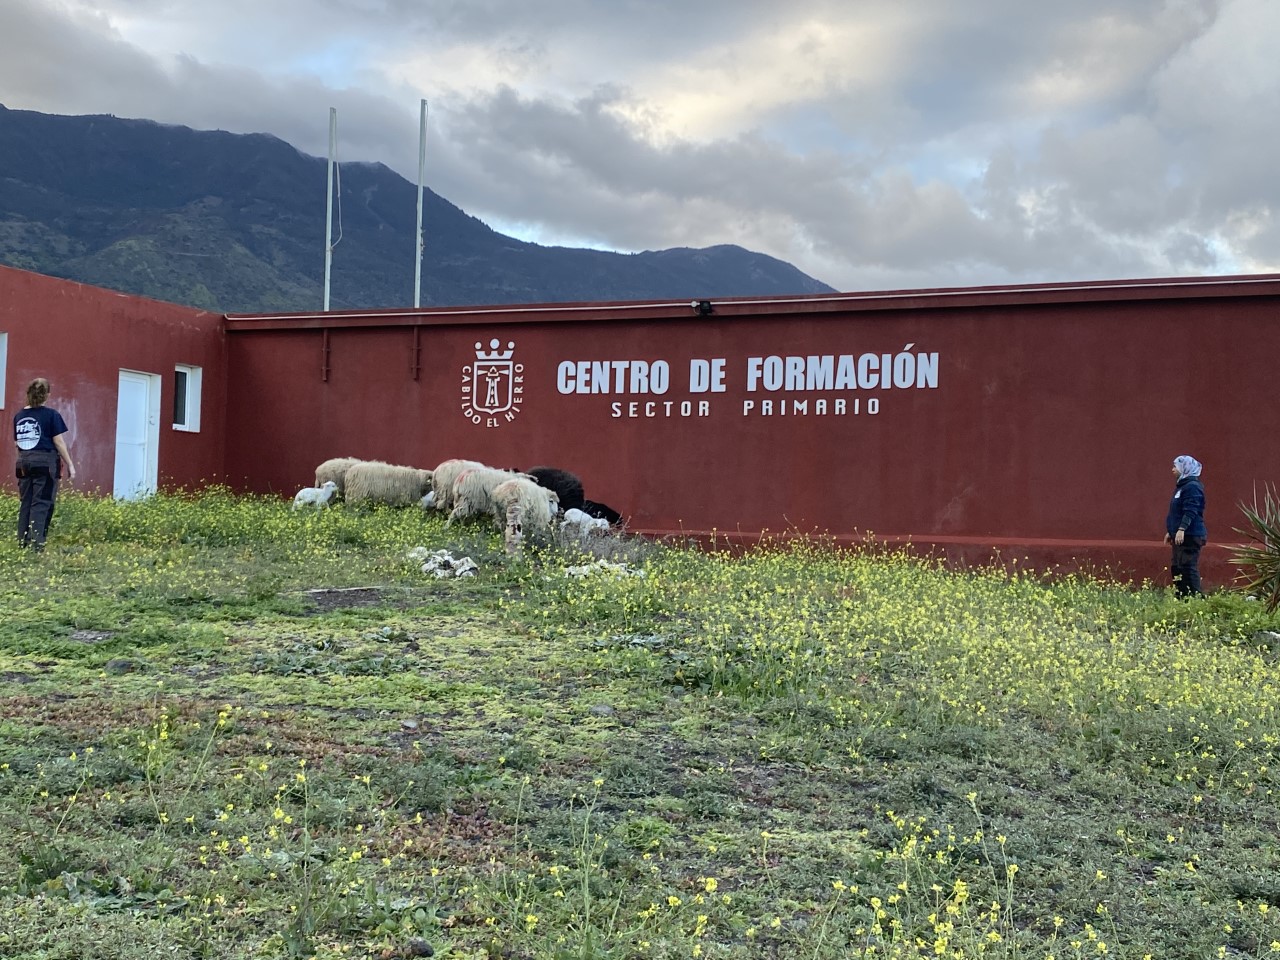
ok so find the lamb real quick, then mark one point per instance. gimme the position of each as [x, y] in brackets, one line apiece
[335, 470]
[566, 485]
[387, 483]
[317, 497]
[473, 492]
[600, 511]
[580, 525]
[522, 507]
[445, 475]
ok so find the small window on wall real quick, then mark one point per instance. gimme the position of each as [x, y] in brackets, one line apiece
[186, 398]
[4, 367]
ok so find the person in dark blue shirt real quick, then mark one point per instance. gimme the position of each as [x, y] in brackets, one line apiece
[38, 433]
[1184, 527]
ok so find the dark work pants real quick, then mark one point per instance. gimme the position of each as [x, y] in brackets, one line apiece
[38, 487]
[1185, 566]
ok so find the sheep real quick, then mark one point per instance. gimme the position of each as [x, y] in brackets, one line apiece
[521, 506]
[318, 497]
[387, 483]
[566, 485]
[581, 525]
[335, 470]
[473, 492]
[445, 475]
[600, 511]
[529, 491]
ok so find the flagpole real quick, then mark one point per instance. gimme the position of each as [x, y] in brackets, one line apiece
[422, 170]
[328, 205]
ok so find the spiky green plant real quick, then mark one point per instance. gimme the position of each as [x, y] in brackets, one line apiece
[1260, 556]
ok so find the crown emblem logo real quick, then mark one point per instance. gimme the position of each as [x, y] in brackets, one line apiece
[493, 386]
[493, 353]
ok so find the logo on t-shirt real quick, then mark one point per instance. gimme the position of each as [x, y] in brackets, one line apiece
[27, 433]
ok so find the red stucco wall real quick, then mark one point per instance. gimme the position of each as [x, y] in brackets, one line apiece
[1042, 427]
[80, 337]
[1046, 432]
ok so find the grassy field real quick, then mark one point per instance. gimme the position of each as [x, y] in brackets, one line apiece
[230, 730]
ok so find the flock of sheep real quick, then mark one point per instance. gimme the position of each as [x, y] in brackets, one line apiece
[522, 503]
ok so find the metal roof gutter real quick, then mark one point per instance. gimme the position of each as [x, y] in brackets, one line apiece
[1178, 288]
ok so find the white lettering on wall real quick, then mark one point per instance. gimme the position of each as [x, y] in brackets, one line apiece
[706, 376]
[869, 371]
[613, 376]
[828, 377]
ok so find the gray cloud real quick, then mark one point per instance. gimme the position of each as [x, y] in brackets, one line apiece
[888, 143]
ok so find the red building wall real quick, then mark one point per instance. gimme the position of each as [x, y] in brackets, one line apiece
[80, 337]
[1043, 424]
[1038, 422]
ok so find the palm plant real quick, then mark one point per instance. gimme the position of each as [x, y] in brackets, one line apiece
[1259, 558]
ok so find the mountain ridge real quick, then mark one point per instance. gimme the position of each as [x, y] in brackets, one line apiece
[235, 223]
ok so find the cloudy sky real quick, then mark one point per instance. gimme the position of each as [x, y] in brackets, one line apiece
[873, 143]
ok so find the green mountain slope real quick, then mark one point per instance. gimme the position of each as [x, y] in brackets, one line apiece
[235, 223]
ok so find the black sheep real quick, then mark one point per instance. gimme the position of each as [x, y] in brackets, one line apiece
[566, 485]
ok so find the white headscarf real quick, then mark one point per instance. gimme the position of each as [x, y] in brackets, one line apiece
[1187, 466]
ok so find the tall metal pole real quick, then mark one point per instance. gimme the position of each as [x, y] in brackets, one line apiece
[328, 205]
[422, 172]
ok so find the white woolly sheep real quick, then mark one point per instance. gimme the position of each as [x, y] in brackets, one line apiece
[317, 497]
[581, 525]
[533, 494]
[445, 475]
[601, 511]
[473, 492]
[522, 507]
[335, 470]
[387, 483]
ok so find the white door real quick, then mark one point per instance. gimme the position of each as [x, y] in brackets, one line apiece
[137, 435]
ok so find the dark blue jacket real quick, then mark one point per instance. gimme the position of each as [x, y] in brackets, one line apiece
[1186, 509]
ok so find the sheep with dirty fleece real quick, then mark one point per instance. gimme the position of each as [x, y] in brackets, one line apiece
[335, 470]
[522, 508]
[473, 492]
[445, 474]
[316, 497]
[373, 481]
[533, 497]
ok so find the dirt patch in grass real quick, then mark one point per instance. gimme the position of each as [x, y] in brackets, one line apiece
[325, 599]
[91, 636]
[95, 716]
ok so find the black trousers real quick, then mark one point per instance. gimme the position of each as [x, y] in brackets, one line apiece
[1185, 566]
[37, 472]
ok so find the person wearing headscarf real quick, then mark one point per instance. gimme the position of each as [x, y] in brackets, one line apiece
[1184, 526]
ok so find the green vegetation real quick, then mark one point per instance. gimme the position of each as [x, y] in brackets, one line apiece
[1259, 558]
[231, 730]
